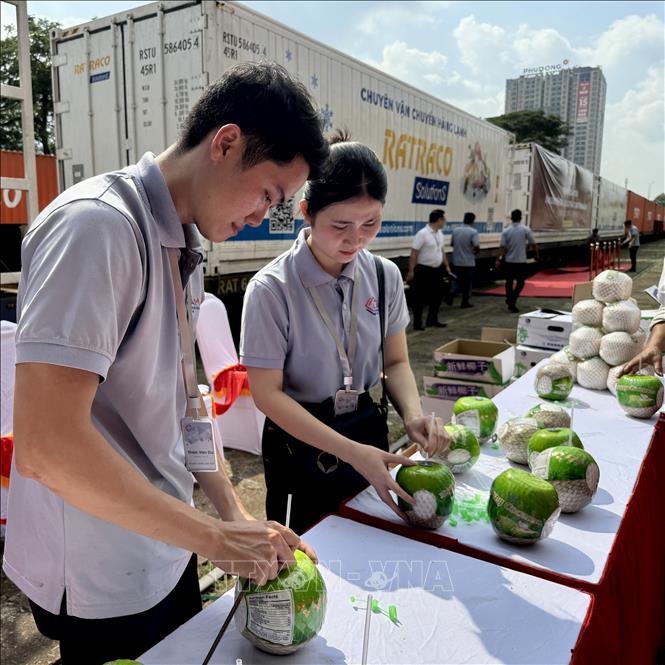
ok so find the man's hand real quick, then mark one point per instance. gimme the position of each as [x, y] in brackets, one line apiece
[409, 276]
[651, 355]
[258, 550]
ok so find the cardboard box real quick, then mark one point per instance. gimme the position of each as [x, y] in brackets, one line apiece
[452, 389]
[646, 318]
[527, 357]
[442, 408]
[545, 329]
[508, 335]
[475, 361]
[582, 291]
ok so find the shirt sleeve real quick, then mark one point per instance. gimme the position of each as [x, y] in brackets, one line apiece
[529, 236]
[265, 327]
[475, 239]
[397, 318]
[504, 240]
[418, 241]
[82, 282]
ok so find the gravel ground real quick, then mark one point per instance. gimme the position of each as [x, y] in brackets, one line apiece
[21, 644]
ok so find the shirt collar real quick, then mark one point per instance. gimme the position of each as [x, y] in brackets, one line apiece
[310, 271]
[171, 230]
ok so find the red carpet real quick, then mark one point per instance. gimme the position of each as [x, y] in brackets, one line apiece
[555, 283]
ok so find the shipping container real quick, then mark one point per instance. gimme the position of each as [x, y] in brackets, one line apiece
[124, 84]
[636, 209]
[13, 206]
[649, 217]
[611, 208]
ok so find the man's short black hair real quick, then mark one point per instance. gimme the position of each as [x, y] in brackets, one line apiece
[276, 114]
[516, 215]
[628, 222]
[469, 218]
[436, 215]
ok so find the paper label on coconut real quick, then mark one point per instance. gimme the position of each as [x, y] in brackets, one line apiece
[270, 616]
[470, 419]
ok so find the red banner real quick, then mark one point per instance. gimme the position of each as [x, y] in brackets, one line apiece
[583, 94]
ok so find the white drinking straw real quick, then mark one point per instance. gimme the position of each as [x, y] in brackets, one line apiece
[288, 511]
[368, 616]
[572, 415]
[432, 425]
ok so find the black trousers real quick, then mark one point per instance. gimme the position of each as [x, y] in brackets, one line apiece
[464, 281]
[318, 482]
[633, 258]
[515, 275]
[427, 288]
[97, 641]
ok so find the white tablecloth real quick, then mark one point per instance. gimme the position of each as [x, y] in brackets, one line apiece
[580, 542]
[451, 609]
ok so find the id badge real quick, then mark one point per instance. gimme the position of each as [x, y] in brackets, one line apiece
[346, 401]
[199, 442]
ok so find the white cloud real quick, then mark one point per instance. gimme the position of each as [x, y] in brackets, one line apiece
[633, 144]
[479, 43]
[411, 64]
[394, 16]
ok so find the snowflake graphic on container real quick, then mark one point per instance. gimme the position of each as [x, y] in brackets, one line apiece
[327, 114]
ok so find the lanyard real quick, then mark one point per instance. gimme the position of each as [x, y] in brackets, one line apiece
[194, 401]
[346, 358]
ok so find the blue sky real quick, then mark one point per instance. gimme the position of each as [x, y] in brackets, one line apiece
[462, 52]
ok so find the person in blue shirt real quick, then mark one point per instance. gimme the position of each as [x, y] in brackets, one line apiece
[466, 245]
[632, 241]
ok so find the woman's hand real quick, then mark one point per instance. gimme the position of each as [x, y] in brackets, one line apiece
[651, 355]
[372, 464]
[429, 434]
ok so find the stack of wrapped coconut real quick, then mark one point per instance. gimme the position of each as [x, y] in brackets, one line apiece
[606, 333]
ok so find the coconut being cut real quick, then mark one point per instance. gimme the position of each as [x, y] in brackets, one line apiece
[549, 415]
[614, 374]
[612, 286]
[640, 396]
[585, 342]
[588, 313]
[554, 381]
[463, 452]
[432, 485]
[622, 316]
[592, 373]
[281, 616]
[522, 508]
[514, 437]
[618, 348]
[573, 473]
[549, 438]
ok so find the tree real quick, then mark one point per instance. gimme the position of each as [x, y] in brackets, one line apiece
[535, 127]
[42, 94]
[660, 199]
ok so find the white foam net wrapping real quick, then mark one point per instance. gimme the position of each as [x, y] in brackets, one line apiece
[618, 348]
[566, 357]
[622, 316]
[592, 373]
[612, 285]
[588, 313]
[585, 342]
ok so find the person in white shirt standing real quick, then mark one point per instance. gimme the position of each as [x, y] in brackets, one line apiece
[632, 241]
[427, 264]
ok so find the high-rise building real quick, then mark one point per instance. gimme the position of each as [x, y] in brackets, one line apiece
[577, 96]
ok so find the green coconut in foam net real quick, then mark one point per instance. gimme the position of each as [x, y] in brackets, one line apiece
[432, 485]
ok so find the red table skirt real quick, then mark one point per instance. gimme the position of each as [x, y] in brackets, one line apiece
[625, 624]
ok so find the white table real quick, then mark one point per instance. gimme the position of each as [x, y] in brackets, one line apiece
[451, 609]
[580, 543]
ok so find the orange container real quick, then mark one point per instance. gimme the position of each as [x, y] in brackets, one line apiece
[13, 207]
[636, 209]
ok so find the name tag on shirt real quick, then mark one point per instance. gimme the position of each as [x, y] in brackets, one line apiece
[199, 441]
[346, 401]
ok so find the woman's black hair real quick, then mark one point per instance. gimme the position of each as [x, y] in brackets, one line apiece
[352, 170]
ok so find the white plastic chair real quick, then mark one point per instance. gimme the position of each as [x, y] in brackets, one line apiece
[241, 427]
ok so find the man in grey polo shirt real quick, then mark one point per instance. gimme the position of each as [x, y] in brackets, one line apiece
[466, 244]
[101, 527]
[514, 241]
[632, 241]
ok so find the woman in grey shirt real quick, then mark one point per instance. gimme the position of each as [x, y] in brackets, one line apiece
[312, 343]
